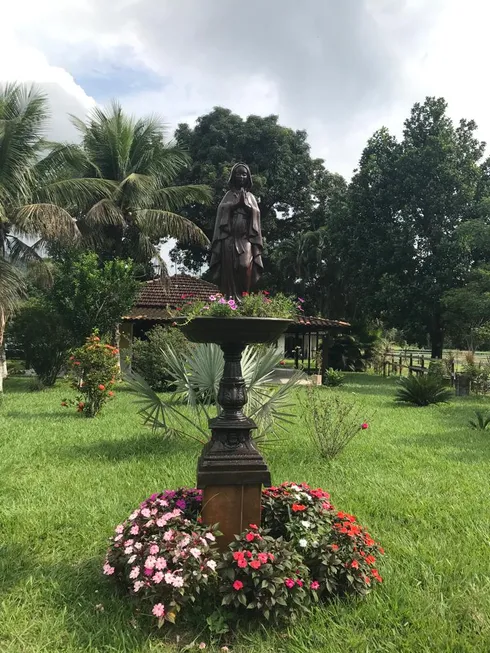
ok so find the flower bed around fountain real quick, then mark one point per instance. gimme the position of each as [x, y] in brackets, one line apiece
[304, 551]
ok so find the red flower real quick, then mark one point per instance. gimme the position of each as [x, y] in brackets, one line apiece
[364, 426]
[271, 557]
[250, 537]
[375, 574]
[289, 582]
[315, 585]
[101, 387]
[299, 582]
[81, 405]
[244, 294]
[381, 550]
[367, 580]
[238, 555]
[282, 362]
[370, 560]
[263, 558]
[254, 526]
[248, 554]
[241, 562]
[266, 292]
[237, 585]
[354, 564]
[111, 394]
[334, 547]
[76, 362]
[298, 507]
[255, 564]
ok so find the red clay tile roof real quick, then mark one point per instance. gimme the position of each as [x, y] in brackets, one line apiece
[321, 322]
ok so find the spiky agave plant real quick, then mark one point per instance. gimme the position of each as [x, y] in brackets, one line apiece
[196, 377]
[422, 390]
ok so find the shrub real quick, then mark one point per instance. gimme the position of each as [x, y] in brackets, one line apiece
[422, 390]
[339, 553]
[480, 422]
[264, 576]
[333, 378]
[260, 304]
[331, 422]
[167, 560]
[94, 368]
[149, 358]
[38, 331]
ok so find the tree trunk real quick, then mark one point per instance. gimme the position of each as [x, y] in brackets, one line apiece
[437, 337]
[3, 357]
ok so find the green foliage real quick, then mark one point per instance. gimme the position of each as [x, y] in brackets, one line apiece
[262, 576]
[140, 167]
[422, 390]
[467, 310]
[478, 373]
[259, 304]
[330, 421]
[149, 359]
[196, 376]
[95, 369]
[89, 296]
[333, 378]
[38, 331]
[480, 421]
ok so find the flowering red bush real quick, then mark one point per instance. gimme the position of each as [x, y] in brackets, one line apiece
[265, 577]
[339, 553]
[304, 550]
[94, 369]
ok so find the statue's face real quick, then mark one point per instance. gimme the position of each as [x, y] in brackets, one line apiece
[241, 177]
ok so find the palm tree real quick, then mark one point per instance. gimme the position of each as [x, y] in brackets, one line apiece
[143, 206]
[35, 203]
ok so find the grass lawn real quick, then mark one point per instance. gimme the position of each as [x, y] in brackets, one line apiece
[418, 478]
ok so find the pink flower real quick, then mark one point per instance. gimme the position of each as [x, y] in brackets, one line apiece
[255, 564]
[120, 529]
[135, 530]
[148, 572]
[161, 522]
[108, 570]
[118, 537]
[202, 645]
[315, 585]
[299, 583]
[158, 577]
[159, 610]
[161, 563]
[237, 585]
[146, 513]
[133, 515]
[212, 298]
[168, 535]
[138, 585]
[195, 552]
[210, 537]
[150, 562]
[128, 550]
[134, 573]
[289, 582]
[250, 537]
[263, 557]
[178, 581]
[364, 426]
[154, 549]
[241, 562]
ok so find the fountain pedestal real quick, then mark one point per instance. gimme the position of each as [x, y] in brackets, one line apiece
[230, 470]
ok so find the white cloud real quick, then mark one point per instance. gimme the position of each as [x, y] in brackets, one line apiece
[340, 70]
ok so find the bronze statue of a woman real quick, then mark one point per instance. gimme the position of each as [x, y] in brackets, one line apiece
[236, 250]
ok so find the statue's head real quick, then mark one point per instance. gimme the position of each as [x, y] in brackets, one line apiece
[240, 176]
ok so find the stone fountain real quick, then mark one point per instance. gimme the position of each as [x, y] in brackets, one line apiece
[230, 470]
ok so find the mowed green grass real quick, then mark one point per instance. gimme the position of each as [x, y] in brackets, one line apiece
[418, 478]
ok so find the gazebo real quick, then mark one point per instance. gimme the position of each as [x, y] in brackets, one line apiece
[302, 342]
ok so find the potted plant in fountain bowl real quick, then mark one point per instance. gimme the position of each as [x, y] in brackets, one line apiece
[256, 318]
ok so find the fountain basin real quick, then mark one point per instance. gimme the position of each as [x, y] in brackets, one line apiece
[234, 330]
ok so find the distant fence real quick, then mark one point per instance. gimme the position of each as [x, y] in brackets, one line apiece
[395, 363]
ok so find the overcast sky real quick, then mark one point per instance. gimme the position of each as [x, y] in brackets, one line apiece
[338, 68]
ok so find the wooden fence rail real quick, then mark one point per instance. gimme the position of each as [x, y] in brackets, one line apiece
[396, 362]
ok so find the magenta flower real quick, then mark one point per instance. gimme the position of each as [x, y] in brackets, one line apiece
[289, 582]
[212, 298]
[315, 585]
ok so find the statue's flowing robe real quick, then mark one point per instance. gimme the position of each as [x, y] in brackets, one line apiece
[236, 250]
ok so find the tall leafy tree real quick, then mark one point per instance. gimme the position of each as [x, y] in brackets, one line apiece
[280, 162]
[35, 203]
[144, 203]
[408, 201]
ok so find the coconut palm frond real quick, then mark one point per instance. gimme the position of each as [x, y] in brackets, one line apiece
[48, 220]
[12, 287]
[173, 198]
[157, 223]
[105, 212]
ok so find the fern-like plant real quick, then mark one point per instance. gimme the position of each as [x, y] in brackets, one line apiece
[481, 421]
[422, 390]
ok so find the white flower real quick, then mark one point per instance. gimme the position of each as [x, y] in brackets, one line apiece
[210, 537]
[211, 564]
[131, 559]
[128, 550]
[195, 552]
[134, 573]
[303, 543]
[306, 523]
[138, 585]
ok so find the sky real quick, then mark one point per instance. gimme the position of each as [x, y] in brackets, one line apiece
[338, 68]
